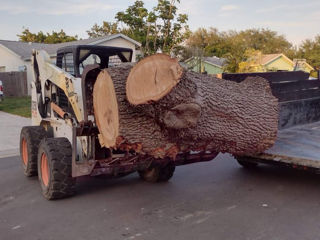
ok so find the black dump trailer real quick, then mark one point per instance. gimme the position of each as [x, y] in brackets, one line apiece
[298, 140]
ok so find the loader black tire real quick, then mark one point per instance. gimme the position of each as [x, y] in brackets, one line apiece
[157, 173]
[55, 168]
[30, 138]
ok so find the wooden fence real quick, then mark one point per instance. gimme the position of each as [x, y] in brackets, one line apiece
[14, 83]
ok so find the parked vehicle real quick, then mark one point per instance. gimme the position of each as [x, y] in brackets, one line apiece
[1, 91]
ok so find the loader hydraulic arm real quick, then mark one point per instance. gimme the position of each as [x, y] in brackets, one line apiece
[47, 71]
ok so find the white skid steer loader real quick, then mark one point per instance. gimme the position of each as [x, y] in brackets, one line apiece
[62, 142]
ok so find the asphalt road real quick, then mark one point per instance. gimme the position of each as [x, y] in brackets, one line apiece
[215, 200]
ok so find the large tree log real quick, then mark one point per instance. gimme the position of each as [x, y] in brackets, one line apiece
[198, 112]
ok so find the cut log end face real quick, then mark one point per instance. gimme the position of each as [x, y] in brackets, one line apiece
[152, 78]
[106, 109]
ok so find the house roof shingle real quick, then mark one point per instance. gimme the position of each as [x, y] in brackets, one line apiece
[24, 49]
[215, 61]
[265, 59]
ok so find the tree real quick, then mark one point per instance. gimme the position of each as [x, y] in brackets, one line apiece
[40, 37]
[310, 50]
[233, 45]
[211, 41]
[105, 29]
[174, 28]
[135, 20]
[235, 50]
[252, 61]
[265, 40]
[162, 28]
[27, 36]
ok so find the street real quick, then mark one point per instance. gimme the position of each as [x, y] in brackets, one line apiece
[214, 200]
[159, 87]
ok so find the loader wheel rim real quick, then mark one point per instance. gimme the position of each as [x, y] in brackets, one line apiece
[24, 152]
[44, 169]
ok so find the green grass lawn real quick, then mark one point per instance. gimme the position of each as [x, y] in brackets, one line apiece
[17, 105]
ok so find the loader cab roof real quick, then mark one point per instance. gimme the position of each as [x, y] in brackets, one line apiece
[74, 59]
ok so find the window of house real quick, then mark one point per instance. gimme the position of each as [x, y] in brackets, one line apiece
[2, 68]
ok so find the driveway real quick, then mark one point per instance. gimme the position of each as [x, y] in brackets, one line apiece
[10, 127]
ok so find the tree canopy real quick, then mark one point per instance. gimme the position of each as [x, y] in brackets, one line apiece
[310, 50]
[161, 28]
[40, 37]
[235, 46]
[252, 62]
[105, 29]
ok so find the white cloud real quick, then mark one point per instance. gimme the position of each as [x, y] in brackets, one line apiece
[228, 8]
[57, 7]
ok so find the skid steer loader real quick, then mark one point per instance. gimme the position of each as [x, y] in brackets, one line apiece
[62, 143]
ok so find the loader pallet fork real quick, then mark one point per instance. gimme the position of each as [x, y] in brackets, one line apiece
[54, 168]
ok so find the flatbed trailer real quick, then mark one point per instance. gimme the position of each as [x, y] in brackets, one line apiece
[298, 139]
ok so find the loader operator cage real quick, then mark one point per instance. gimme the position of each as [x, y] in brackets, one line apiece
[73, 59]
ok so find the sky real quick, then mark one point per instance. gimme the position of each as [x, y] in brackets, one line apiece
[296, 19]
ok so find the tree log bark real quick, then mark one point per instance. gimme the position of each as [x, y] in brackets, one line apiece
[200, 113]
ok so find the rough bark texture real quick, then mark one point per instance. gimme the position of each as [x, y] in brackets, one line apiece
[199, 113]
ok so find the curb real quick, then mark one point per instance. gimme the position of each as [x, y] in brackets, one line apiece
[9, 153]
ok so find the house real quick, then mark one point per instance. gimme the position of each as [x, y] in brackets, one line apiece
[16, 56]
[210, 65]
[302, 65]
[276, 62]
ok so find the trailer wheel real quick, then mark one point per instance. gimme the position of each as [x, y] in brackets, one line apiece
[55, 168]
[157, 173]
[246, 163]
[30, 138]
